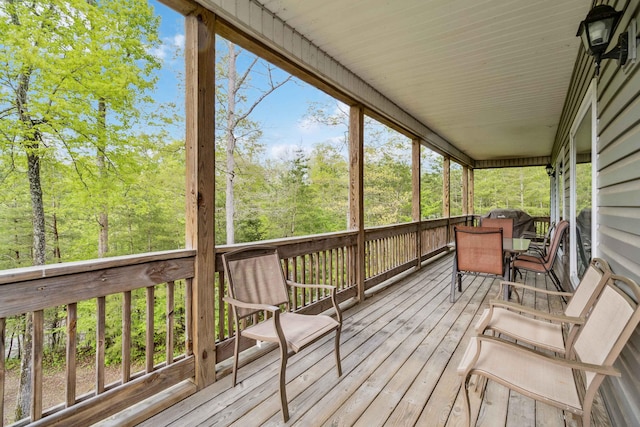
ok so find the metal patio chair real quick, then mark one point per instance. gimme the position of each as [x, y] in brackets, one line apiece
[544, 264]
[568, 383]
[505, 223]
[478, 250]
[546, 330]
[257, 285]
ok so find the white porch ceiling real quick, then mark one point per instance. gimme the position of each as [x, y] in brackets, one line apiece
[489, 76]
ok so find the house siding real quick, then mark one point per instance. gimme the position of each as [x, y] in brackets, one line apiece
[618, 192]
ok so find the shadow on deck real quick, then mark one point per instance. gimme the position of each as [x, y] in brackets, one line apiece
[400, 350]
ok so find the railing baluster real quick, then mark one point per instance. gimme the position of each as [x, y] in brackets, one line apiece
[72, 322]
[126, 337]
[100, 344]
[222, 309]
[36, 369]
[296, 296]
[324, 271]
[150, 329]
[188, 313]
[170, 308]
[303, 267]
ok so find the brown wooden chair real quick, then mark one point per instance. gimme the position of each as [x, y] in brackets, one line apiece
[544, 264]
[568, 383]
[478, 250]
[546, 330]
[257, 285]
[505, 223]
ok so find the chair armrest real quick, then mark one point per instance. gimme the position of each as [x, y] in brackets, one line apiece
[559, 318]
[573, 364]
[242, 304]
[532, 288]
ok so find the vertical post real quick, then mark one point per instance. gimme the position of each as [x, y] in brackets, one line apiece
[446, 187]
[416, 208]
[470, 209]
[446, 193]
[356, 190]
[465, 190]
[200, 158]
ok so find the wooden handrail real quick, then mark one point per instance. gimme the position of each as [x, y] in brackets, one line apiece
[326, 258]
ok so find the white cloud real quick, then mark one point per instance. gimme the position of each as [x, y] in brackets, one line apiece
[169, 48]
[178, 41]
[308, 125]
[159, 52]
[287, 151]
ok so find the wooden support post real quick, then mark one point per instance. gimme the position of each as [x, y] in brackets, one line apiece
[416, 208]
[446, 187]
[470, 209]
[356, 190]
[446, 192]
[200, 188]
[465, 190]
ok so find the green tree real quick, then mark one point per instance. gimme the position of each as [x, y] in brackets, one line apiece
[237, 99]
[61, 64]
[431, 184]
[387, 176]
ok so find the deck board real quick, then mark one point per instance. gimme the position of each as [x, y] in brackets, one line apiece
[400, 350]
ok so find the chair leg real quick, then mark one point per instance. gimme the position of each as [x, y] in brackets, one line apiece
[466, 403]
[452, 296]
[236, 350]
[283, 384]
[338, 363]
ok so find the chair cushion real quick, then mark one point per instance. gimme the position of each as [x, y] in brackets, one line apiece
[523, 372]
[299, 330]
[536, 332]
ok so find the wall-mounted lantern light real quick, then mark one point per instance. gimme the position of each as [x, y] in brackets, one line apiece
[550, 170]
[596, 31]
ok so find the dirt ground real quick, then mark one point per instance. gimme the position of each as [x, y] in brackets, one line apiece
[54, 386]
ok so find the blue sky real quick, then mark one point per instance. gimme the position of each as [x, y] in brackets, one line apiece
[281, 114]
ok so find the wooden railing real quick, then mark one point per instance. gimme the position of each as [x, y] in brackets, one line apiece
[131, 282]
[137, 284]
[325, 258]
[541, 224]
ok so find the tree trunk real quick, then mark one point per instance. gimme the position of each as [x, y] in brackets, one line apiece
[231, 143]
[37, 205]
[103, 216]
[23, 400]
[32, 147]
[56, 238]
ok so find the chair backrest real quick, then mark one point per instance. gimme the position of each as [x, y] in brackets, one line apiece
[610, 324]
[505, 223]
[479, 249]
[547, 237]
[590, 286]
[561, 228]
[255, 276]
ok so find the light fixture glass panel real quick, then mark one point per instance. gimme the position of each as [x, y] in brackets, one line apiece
[600, 32]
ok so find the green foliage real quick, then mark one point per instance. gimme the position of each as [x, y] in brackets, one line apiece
[518, 188]
[100, 54]
[431, 184]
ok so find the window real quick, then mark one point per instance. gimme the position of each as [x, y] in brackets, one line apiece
[582, 188]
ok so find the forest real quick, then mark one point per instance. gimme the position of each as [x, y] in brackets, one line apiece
[91, 167]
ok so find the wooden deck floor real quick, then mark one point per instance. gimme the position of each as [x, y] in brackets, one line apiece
[400, 350]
